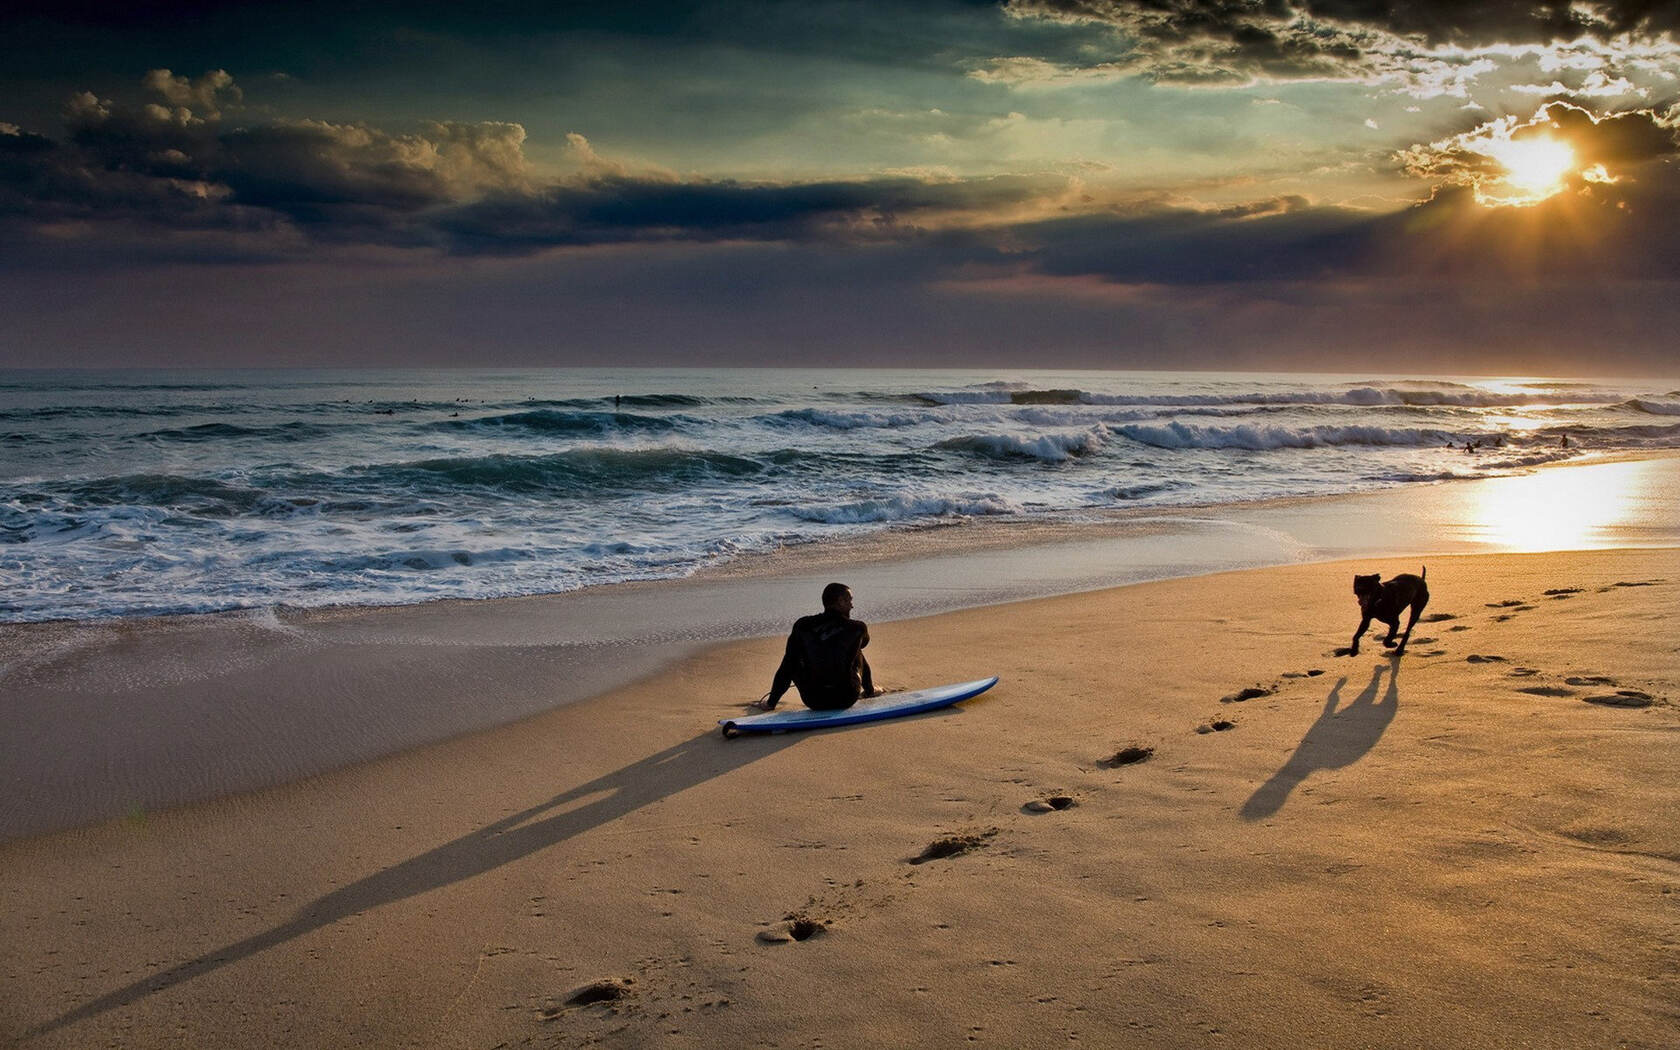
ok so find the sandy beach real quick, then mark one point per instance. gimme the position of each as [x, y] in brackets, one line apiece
[1473, 845]
[426, 429]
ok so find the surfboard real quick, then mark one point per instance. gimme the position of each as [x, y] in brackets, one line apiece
[892, 705]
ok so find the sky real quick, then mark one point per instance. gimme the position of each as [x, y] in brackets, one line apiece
[1324, 185]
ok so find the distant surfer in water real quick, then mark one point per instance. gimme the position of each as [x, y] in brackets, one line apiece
[824, 657]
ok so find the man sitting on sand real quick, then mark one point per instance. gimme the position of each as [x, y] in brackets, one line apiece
[824, 657]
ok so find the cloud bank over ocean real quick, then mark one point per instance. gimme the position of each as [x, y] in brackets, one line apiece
[1181, 181]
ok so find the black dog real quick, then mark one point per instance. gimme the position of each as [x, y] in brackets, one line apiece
[1385, 602]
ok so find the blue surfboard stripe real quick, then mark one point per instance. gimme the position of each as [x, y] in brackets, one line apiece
[872, 710]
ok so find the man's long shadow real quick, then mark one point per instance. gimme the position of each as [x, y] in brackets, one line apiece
[1339, 738]
[624, 791]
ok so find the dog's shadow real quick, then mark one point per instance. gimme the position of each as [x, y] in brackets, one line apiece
[1341, 736]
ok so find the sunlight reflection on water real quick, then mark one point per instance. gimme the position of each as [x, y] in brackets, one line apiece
[1572, 508]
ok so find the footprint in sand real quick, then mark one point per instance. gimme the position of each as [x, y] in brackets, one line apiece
[953, 846]
[1438, 617]
[803, 927]
[1253, 692]
[1559, 593]
[1509, 603]
[1546, 690]
[1622, 698]
[796, 927]
[1630, 583]
[1131, 754]
[1050, 804]
[1526, 672]
[1217, 725]
[1476, 658]
[607, 990]
[1590, 679]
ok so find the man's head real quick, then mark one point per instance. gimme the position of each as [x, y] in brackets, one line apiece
[837, 597]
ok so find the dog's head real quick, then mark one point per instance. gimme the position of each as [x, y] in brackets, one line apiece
[1366, 588]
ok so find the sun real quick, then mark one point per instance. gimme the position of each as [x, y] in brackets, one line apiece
[1535, 169]
[1537, 165]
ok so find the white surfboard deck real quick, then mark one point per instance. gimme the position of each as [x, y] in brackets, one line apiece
[891, 705]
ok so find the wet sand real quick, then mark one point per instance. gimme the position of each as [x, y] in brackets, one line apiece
[124, 718]
[1477, 844]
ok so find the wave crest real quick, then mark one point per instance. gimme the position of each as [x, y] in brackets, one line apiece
[1652, 408]
[1048, 448]
[1261, 439]
[1359, 396]
[552, 421]
[904, 508]
[838, 420]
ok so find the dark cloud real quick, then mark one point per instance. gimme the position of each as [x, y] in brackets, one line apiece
[1627, 233]
[484, 16]
[284, 188]
[958, 298]
[1613, 139]
[622, 209]
[465, 188]
[1251, 25]
[174, 167]
[1279, 240]
[322, 36]
[1236, 40]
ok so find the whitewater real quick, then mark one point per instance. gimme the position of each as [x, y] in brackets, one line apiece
[147, 492]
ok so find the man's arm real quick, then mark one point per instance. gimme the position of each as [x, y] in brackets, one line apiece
[784, 675]
[866, 679]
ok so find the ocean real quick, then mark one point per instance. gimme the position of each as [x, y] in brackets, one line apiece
[148, 492]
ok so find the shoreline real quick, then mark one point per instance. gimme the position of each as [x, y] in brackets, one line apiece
[893, 542]
[989, 533]
[1393, 853]
[115, 717]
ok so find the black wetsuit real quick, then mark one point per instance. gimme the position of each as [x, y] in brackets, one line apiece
[825, 660]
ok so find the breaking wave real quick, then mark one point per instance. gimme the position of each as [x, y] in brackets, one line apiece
[1048, 448]
[1265, 438]
[905, 508]
[1653, 408]
[1446, 395]
[551, 421]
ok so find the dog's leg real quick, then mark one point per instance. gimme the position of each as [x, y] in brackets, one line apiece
[1417, 607]
[1393, 627]
[1364, 625]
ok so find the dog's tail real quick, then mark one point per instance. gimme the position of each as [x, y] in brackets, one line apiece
[1424, 575]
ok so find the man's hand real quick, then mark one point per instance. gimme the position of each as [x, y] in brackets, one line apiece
[763, 703]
